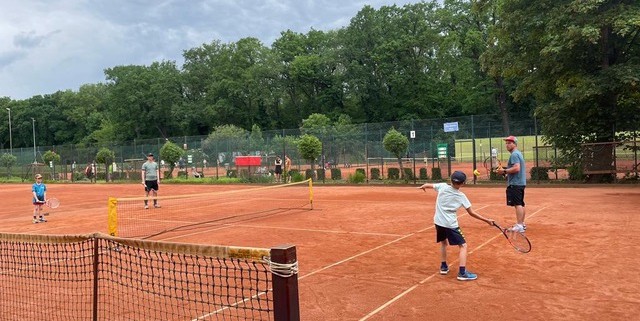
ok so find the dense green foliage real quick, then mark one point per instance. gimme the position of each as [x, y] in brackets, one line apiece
[575, 63]
[50, 157]
[8, 161]
[171, 154]
[397, 144]
[310, 148]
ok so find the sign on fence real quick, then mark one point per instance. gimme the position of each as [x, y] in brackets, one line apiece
[442, 151]
[451, 127]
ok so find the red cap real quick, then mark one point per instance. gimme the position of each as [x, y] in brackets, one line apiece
[513, 139]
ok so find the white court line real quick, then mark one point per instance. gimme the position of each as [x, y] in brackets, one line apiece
[405, 292]
[373, 249]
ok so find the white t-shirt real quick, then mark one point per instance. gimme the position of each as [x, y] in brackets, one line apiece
[447, 204]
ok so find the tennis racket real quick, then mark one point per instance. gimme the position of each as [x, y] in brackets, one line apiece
[517, 239]
[499, 167]
[51, 203]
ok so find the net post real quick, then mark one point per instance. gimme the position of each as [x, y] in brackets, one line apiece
[286, 305]
[112, 206]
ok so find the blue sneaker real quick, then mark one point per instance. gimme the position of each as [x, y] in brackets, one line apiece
[467, 276]
[444, 270]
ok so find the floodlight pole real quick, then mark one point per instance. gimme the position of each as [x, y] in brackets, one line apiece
[10, 138]
[33, 125]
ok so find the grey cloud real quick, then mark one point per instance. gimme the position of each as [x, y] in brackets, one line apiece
[91, 36]
[30, 39]
[8, 58]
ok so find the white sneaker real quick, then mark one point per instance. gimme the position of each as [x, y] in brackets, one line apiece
[516, 228]
[146, 207]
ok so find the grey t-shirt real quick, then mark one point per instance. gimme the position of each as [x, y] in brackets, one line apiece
[519, 178]
[447, 204]
[150, 171]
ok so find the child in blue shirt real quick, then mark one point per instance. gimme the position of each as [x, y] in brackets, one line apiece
[39, 191]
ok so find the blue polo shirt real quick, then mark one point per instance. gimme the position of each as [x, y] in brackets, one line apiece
[39, 188]
[519, 178]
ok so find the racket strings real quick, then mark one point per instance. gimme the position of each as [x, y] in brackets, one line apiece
[519, 241]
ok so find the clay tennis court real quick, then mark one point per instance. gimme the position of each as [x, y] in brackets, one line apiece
[369, 252]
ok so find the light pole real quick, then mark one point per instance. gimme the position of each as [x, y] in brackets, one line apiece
[10, 139]
[33, 125]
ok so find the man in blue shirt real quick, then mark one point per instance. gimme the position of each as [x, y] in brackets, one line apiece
[516, 181]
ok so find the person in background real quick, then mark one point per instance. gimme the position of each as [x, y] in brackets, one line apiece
[278, 168]
[287, 168]
[150, 180]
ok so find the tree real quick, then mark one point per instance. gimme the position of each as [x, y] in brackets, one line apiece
[224, 141]
[145, 101]
[579, 61]
[171, 153]
[310, 147]
[397, 144]
[8, 161]
[51, 157]
[256, 141]
[105, 156]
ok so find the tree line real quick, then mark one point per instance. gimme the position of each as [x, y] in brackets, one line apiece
[573, 65]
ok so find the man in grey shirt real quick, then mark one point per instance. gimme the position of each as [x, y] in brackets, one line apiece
[516, 181]
[150, 180]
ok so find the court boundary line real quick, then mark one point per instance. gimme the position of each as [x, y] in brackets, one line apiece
[415, 286]
[373, 249]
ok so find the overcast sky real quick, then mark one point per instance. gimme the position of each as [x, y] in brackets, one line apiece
[51, 45]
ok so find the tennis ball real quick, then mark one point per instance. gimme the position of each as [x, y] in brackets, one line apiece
[476, 172]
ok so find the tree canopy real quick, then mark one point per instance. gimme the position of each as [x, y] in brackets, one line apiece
[574, 65]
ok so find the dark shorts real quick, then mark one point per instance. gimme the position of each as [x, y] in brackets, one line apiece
[515, 195]
[278, 169]
[453, 235]
[151, 185]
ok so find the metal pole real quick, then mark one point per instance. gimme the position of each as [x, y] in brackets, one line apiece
[10, 138]
[473, 149]
[33, 125]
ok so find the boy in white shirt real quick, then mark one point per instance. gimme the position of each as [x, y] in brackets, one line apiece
[448, 232]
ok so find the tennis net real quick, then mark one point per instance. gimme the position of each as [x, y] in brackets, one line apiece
[129, 217]
[100, 277]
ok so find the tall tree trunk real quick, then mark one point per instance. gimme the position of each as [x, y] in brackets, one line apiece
[501, 100]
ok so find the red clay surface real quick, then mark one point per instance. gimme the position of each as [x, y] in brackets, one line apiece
[369, 252]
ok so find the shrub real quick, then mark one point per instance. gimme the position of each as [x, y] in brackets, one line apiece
[182, 174]
[393, 173]
[136, 176]
[78, 176]
[320, 172]
[408, 173]
[540, 173]
[336, 174]
[232, 173]
[357, 178]
[361, 170]
[309, 174]
[296, 176]
[575, 173]
[436, 173]
[375, 173]
[423, 173]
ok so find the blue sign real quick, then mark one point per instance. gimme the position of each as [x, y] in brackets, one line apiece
[451, 127]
